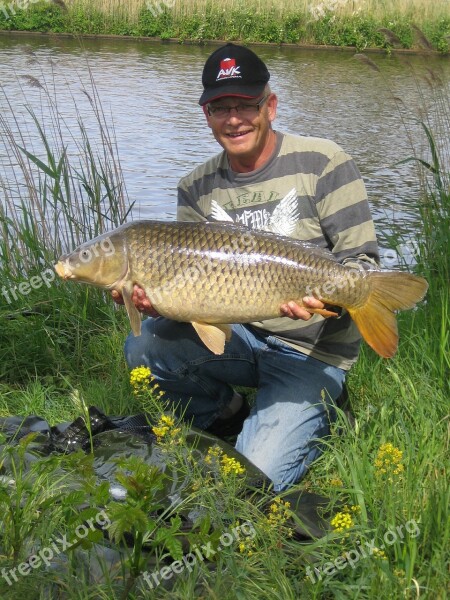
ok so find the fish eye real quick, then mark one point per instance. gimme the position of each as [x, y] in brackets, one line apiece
[85, 256]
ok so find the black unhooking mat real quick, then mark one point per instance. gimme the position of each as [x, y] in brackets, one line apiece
[115, 438]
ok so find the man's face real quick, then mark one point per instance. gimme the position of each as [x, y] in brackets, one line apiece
[243, 134]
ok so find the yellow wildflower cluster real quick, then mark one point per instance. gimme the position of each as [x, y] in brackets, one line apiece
[140, 378]
[342, 520]
[279, 512]
[336, 482]
[247, 547]
[389, 461]
[227, 464]
[165, 429]
[381, 554]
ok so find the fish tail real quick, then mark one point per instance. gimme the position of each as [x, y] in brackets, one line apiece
[389, 291]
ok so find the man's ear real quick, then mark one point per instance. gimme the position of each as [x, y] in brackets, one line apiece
[205, 112]
[272, 104]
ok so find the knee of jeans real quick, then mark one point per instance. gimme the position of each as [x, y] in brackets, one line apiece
[159, 345]
[134, 350]
[139, 349]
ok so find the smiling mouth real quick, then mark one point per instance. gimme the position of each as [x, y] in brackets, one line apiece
[237, 134]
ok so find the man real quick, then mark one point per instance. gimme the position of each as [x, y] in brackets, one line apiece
[309, 188]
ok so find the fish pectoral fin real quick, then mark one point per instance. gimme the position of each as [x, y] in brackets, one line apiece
[322, 311]
[213, 336]
[133, 314]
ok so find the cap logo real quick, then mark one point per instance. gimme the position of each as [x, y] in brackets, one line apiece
[228, 70]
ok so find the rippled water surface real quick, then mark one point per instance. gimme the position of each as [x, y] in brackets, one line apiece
[149, 92]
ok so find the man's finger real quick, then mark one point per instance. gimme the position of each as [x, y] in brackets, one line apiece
[117, 297]
[294, 311]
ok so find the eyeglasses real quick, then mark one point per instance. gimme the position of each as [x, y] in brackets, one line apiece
[247, 110]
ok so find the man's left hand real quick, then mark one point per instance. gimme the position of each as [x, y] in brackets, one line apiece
[294, 311]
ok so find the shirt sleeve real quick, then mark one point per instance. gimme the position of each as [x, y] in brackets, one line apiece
[343, 209]
[187, 208]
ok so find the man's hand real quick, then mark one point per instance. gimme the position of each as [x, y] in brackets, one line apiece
[294, 311]
[140, 300]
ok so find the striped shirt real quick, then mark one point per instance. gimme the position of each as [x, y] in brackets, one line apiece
[331, 211]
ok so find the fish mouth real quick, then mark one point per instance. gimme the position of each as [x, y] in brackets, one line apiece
[63, 270]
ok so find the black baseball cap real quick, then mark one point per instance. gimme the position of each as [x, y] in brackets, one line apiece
[233, 70]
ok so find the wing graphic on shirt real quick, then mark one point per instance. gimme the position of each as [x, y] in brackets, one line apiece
[285, 216]
[218, 214]
[282, 221]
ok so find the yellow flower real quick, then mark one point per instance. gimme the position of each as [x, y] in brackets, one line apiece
[247, 547]
[381, 554]
[342, 521]
[226, 464]
[279, 513]
[140, 378]
[336, 482]
[213, 454]
[229, 465]
[165, 429]
[389, 461]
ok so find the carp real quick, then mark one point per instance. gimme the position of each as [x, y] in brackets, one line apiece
[214, 274]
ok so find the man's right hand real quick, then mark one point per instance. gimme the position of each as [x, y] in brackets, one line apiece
[140, 300]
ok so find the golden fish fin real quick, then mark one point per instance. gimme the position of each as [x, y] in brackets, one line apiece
[213, 336]
[375, 319]
[321, 311]
[133, 314]
[226, 329]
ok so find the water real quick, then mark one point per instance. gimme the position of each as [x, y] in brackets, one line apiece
[149, 92]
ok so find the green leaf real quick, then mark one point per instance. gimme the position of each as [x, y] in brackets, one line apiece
[34, 159]
[174, 547]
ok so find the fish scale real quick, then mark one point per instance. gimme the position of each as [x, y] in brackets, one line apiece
[214, 274]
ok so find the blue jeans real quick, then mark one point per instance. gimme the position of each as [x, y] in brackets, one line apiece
[294, 402]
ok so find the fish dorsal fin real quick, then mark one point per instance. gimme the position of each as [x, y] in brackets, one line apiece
[218, 214]
[213, 336]
[133, 314]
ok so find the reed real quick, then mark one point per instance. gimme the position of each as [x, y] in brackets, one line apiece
[65, 189]
[417, 10]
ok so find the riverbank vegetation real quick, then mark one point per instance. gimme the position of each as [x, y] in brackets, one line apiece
[61, 350]
[362, 24]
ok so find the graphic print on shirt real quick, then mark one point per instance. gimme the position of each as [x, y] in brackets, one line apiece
[283, 220]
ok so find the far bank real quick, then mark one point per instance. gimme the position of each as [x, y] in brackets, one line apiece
[415, 25]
